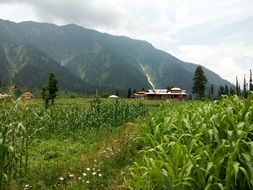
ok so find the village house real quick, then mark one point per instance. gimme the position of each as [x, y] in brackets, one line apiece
[4, 96]
[140, 94]
[27, 96]
[164, 94]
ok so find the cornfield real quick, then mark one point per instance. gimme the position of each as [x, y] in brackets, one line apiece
[197, 145]
[21, 125]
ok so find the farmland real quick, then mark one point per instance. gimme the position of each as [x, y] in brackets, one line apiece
[128, 144]
[198, 145]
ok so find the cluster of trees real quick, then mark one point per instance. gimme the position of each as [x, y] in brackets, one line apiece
[199, 86]
[237, 89]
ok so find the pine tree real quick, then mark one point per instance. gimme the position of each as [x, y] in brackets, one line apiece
[231, 91]
[250, 81]
[49, 91]
[129, 93]
[221, 91]
[212, 90]
[199, 82]
[245, 94]
[226, 90]
[237, 87]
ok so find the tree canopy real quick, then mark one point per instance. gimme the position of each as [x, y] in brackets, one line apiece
[49, 91]
[199, 82]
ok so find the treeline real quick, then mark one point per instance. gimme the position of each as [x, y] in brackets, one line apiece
[236, 90]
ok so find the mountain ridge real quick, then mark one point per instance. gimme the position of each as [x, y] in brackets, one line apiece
[104, 60]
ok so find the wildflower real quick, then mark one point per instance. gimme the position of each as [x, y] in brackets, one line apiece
[88, 169]
[84, 174]
[93, 169]
[61, 178]
[71, 175]
[27, 187]
[99, 175]
[94, 173]
[79, 178]
[87, 182]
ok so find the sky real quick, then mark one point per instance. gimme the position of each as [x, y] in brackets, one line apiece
[217, 34]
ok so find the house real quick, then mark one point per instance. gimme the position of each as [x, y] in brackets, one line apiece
[140, 94]
[4, 96]
[164, 94]
[27, 96]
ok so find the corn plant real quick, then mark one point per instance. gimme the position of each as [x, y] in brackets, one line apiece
[198, 145]
[14, 145]
[20, 125]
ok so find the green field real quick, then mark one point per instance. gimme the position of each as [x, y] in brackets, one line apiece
[83, 143]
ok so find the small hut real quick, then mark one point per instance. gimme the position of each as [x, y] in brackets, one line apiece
[27, 96]
[5, 96]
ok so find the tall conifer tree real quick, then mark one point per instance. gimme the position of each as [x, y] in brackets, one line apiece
[199, 82]
[250, 81]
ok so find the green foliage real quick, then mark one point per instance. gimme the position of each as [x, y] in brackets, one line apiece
[199, 82]
[22, 126]
[129, 93]
[245, 92]
[250, 81]
[49, 91]
[197, 145]
[105, 95]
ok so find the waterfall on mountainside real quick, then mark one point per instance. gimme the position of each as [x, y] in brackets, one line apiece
[148, 77]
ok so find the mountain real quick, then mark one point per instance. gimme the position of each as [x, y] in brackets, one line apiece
[93, 59]
[27, 66]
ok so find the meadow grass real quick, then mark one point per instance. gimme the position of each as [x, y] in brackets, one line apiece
[40, 147]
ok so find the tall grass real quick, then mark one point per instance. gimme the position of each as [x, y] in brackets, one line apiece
[198, 145]
[20, 126]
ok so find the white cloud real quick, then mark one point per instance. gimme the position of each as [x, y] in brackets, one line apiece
[228, 62]
[216, 34]
[18, 12]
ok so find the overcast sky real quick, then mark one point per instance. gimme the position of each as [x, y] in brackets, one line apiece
[215, 33]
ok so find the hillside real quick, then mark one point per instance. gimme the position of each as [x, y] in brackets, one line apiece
[100, 59]
[29, 67]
